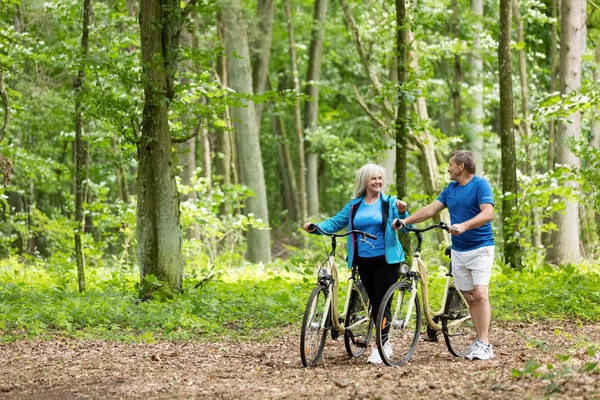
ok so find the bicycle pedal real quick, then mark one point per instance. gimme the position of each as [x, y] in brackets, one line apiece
[361, 343]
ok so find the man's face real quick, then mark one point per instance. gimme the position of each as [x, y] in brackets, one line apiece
[455, 169]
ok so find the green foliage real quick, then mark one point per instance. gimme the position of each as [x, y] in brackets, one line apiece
[547, 293]
[31, 304]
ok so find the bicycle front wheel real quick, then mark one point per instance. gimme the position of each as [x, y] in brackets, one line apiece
[312, 336]
[358, 321]
[457, 325]
[398, 324]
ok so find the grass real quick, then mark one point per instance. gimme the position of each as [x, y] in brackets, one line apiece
[251, 306]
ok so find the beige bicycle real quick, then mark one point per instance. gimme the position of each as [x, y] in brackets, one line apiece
[322, 315]
[399, 318]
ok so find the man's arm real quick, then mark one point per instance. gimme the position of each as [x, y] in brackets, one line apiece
[425, 213]
[486, 214]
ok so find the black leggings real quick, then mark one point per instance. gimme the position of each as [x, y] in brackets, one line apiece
[377, 276]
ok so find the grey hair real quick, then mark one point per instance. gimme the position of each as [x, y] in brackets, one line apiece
[466, 157]
[362, 178]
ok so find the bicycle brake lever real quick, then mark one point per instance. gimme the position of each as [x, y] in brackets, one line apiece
[364, 240]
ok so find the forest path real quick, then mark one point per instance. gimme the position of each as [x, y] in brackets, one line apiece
[77, 369]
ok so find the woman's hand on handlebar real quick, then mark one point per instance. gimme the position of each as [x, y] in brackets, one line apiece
[309, 227]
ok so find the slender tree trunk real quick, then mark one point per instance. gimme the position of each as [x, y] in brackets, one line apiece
[553, 74]
[286, 169]
[525, 126]
[477, 112]
[248, 146]
[262, 53]
[80, 149]
[595, 119]
[303, 214]
[566, 240]
[223, 136]
[456, 100]
[158, 230]
[402, 116]
[510, 223]
[311, 108]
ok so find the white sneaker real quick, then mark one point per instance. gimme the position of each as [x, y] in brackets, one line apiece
[375, 358]
[387, 349]
[480, 351]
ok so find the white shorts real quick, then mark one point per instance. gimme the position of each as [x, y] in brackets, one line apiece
[472, 267]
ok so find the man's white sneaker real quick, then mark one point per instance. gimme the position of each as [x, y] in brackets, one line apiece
[480, 351]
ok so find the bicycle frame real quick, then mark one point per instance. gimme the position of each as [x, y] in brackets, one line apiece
[330, 280]
[418, 271]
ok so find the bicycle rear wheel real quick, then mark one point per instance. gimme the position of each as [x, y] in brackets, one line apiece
[358, 314]
[398, 324]
[312, 336]
[457, 325]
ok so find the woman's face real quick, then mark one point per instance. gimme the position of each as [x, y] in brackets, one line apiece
[374, 184]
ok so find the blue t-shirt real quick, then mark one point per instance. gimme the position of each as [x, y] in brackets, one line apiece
[463, 203]
[369, 218]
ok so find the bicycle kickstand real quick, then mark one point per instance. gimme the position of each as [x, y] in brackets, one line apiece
[357, 343]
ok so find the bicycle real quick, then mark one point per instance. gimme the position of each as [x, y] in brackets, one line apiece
[322, 313]
[399, 321]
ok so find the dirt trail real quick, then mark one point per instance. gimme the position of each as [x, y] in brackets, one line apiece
[73, 369]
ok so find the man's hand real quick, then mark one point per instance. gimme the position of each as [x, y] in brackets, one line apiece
[457, 229]
[397, 224]
[401, 206]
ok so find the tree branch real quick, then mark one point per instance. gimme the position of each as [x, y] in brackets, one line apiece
[367, 110]
[188, 8]
[188, 137]
[5, 104]
[351, 23]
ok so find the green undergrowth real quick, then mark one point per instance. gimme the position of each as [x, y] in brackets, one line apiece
[237, 310]
[249, 306]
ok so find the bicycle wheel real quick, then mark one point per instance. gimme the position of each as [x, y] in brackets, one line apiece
[312, 336]
[457, 325]
[357, 313]
[398, 325]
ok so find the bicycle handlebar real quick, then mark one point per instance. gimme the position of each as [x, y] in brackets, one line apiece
[441, 225]
[313, 227]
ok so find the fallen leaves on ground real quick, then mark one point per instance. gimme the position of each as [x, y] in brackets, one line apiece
[61, 368]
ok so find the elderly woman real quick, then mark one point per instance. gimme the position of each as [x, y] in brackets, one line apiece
[378, 261]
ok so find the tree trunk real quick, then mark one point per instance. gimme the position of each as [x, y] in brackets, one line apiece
[286, 167]
[456, 87]
[477, 112]
[595, 118]
[303, 214]
[311, 108]
[158, 231]
[223, 137]
[262, 51]
[525, 126]
[402, 38]
[553, 74]
[565, 241]
[248, 146]
[80, 149]
[510, 223]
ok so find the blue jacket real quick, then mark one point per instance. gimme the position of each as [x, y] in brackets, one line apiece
[393, 249]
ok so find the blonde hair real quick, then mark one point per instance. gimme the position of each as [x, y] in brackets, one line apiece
[363, 175]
